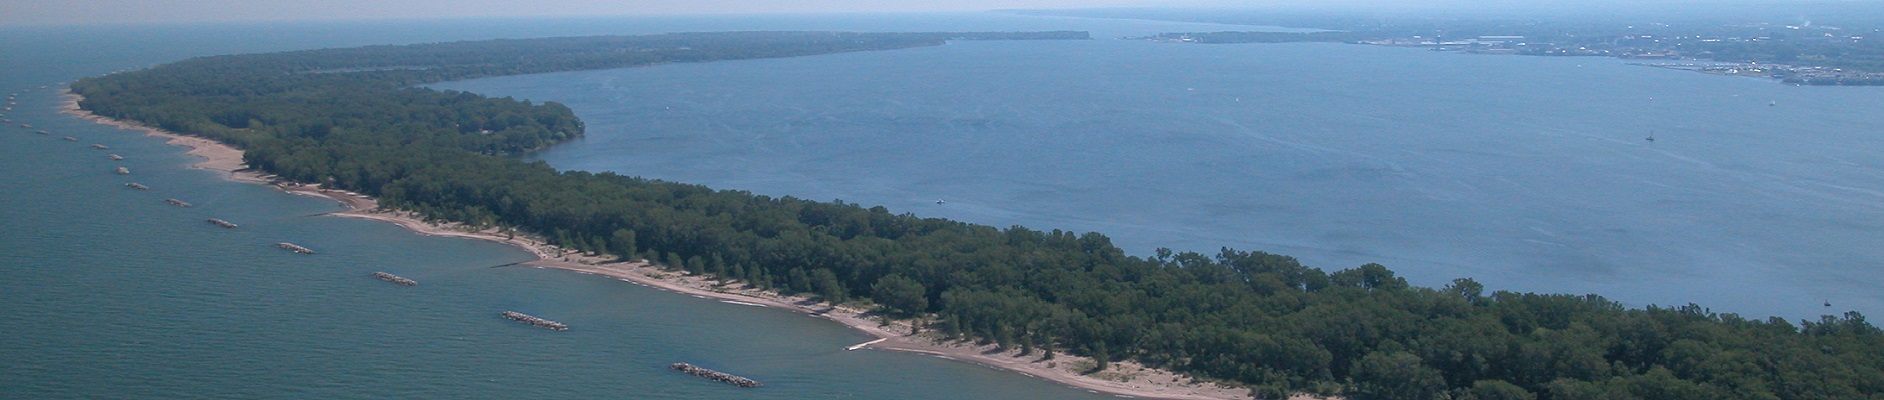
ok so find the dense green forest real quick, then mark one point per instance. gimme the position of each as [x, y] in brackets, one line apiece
[353, 119]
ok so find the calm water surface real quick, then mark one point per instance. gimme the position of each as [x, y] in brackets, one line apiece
[1526, 173]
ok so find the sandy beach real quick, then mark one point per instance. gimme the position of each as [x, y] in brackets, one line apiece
[1121, 378]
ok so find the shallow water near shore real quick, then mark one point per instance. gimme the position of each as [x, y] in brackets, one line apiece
[112, 293]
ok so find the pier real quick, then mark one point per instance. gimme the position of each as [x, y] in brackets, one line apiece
[731, 379]
[400, 280]
[860, 346]
[294, 248]
[135, 185]
[178, 203]
[544, 323]
[222, 223]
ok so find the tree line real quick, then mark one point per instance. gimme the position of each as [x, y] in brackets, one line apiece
[353, 119]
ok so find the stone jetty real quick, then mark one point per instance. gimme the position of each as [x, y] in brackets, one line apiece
[222, 223]
[544, 323]
[294, 248]
[397, 279]
[135, 185]
[730, 379]
[178, 203]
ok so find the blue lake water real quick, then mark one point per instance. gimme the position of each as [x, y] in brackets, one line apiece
[1527, 173]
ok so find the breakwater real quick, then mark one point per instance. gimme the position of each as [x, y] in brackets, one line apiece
[294, 248]
[397, 279]
[730, 379]
[526, 318]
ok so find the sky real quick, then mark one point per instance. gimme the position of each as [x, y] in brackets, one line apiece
[70, 12]
[82, 12]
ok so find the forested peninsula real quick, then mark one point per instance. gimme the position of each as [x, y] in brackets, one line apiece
[355, 119]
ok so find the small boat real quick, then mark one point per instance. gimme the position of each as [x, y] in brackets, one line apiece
[1774, 103]
[1828, 303]
[178, 203]
[114, 156]
[99, 146]
[123, 171]
[71, 139]
[135, 185]
[940, 201]
[44, 133]
[222, 223]
[1651, 137]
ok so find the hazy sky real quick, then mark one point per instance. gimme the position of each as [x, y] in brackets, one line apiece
[64, 12]
[67, 12]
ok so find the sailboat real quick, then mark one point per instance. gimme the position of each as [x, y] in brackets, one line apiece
[1651, 137]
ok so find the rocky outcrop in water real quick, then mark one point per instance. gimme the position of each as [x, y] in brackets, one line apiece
[544, 323]
[294, 248]
[730, 379]
[396, 279]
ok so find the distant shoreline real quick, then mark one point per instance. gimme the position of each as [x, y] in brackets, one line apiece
[1124, 378]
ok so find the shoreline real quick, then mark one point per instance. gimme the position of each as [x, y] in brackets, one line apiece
[1125, 378]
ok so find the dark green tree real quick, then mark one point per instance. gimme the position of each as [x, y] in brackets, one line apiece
[1395, 376]
[901, 293]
